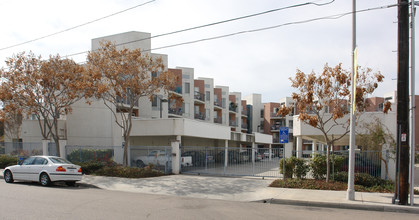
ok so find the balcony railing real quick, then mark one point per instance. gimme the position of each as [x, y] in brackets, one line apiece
[199, 96]
[178, 89]
[244, 112]
[218, 103]
[125, 101]
[244, 125]
[233, 123]
[218, 120]
[175, 111]
[200, 116]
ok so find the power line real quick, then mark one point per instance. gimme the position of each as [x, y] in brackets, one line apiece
[217, 23]
[77, 26]
[330, 17]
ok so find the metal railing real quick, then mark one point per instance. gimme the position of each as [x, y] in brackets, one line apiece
[199, 96]
[232, 161]
[176, 111]
[160, 157]
[21, 149]
[77, 154]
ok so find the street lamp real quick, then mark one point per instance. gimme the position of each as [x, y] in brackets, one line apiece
[161, 106]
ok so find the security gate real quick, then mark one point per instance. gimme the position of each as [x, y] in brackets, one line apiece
[231, 161]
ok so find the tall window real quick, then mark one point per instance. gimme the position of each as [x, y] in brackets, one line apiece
[187, 88]
[207, 95]
[154, 101]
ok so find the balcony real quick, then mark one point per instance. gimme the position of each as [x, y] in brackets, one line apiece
[126, 101]
[175, 111]
[199, 96]
[244, 126]
[232, 107]
[233, 123]
[177, 90]
[218, 104]
[218, 120]
[244, 112]
[200, 116]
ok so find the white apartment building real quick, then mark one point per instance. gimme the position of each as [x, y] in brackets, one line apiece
[210, 115]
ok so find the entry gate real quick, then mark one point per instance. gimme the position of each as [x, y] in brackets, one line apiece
[231, 161]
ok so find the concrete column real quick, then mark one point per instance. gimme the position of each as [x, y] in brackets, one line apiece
[225, 156]
[176, 157]
[45, 147]
[118, 154]
[314, 148]
[63, 143]
[299, 147]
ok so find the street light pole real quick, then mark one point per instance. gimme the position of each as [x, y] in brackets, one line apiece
[412, 103]
[351, 176]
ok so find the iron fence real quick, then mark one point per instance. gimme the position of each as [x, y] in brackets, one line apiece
[21, 149]
[159, 157]
[77, 154]
[232, 161]
[365, 161]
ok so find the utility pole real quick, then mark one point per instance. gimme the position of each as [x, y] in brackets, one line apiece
[350, 193]
[412, 101]
[402, 162]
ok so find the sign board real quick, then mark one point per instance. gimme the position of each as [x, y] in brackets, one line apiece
[283, 135]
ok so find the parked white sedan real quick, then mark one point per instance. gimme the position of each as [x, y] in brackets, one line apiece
[44, 169]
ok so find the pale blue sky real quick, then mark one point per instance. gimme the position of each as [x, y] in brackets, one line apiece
[259, 62]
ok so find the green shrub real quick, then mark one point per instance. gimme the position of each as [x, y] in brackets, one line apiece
[85, 155]
[366, 180]
[294, 167]
[319, 168]
[7, 160]
[91, 166]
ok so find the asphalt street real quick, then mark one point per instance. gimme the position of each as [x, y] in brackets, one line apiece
[32, 201]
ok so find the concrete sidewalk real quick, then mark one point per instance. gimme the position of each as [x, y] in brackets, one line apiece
[248, 190]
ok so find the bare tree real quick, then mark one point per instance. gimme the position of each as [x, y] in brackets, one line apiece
[124, 76]
[322, 101]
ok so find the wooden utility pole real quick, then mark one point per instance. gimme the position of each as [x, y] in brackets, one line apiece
[402, 162]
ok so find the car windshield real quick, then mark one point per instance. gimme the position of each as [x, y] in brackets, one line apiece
[59, 160]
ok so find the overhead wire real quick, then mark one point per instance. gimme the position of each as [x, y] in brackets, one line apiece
[216, 23]
[77, 26]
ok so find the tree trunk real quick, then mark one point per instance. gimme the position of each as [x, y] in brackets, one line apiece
[328, 162]
[125, 158]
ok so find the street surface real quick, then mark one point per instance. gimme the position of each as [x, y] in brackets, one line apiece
[32, 201]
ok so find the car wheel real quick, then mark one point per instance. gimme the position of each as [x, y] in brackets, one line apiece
[140, 164]
[44, 179]
[8, 177]
[70, 183]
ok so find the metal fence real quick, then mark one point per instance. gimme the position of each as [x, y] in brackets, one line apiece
[231, 162]
[77, 154]
[21, 149]
[160, 157]
[365, 161]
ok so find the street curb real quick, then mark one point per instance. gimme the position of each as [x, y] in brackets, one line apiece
[367, 207]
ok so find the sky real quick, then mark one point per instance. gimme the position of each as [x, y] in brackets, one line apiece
[258, 62]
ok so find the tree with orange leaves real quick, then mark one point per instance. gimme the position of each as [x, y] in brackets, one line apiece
[45, 89]
[11, 119]
[124, 76]
[322, 101]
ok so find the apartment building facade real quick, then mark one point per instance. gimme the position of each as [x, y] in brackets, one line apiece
[209, 115]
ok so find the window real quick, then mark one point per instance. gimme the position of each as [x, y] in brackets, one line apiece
[154, 75]
[207, 95]
[223, 102]
[290, 123]
[381, 107]
[187, 88]
[154, 101]
[207, 86]
[262, 113]
[185, 76]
